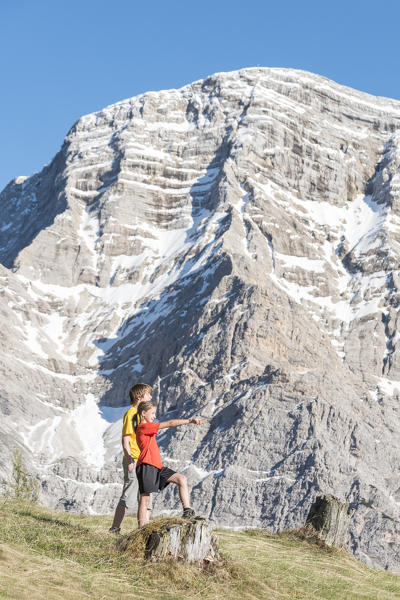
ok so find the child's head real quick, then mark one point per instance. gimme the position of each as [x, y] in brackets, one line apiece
[146, 411]
[140, 392]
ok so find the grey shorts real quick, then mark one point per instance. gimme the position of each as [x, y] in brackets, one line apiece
[130, 492]
[152, 479]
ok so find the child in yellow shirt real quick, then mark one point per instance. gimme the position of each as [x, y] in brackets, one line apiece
[141, 392]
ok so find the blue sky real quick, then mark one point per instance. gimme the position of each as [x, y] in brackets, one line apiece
[60, 59]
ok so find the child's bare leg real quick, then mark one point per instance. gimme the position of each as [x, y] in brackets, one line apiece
[143, 515]
[183, 489]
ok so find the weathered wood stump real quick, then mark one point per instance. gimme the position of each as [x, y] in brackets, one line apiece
[330, 518]
[191, 540]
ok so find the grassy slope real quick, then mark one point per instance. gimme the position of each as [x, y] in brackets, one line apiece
[49, 554]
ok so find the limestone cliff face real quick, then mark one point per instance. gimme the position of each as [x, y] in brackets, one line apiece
[236, 244]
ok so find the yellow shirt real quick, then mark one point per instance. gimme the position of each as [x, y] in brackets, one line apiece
[127, 429]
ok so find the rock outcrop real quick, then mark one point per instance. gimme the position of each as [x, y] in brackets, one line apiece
[236, 244]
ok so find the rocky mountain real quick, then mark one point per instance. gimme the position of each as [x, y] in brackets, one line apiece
[236, 244]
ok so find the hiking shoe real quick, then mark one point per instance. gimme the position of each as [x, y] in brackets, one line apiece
[115, 530]
[188, 513]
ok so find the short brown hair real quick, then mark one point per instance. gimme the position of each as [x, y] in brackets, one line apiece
[138, 391]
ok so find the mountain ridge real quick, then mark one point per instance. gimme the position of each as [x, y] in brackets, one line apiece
[235, 243]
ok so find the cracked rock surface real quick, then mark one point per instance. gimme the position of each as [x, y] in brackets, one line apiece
[236, 244]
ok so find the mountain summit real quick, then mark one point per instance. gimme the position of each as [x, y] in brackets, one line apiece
[236, 244]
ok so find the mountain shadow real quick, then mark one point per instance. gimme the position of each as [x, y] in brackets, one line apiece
[29, 205]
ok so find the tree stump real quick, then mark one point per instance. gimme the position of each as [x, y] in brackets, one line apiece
[330, 519]
[191, 540]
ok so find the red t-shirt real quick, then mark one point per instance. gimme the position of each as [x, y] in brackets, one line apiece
[146, 440]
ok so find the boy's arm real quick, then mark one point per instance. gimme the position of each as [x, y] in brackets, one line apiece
[178, 422]
[127, 452]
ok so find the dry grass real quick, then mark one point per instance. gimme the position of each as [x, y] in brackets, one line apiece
[298, 566]
[51, 555]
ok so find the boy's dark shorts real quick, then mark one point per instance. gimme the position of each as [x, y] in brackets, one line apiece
[152, 479]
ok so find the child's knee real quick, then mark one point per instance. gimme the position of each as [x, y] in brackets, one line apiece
[182, 480]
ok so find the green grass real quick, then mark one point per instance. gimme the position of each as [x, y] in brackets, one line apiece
[46, 554]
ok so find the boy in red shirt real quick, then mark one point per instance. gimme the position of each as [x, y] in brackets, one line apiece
[152, 476]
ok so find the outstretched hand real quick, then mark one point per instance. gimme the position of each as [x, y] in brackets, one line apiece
[197, 420]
